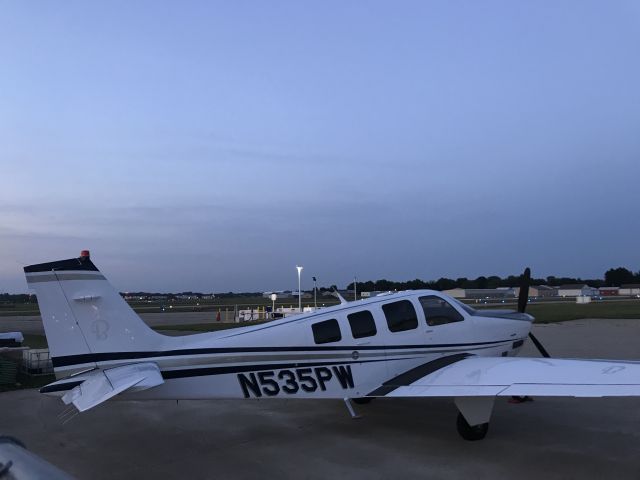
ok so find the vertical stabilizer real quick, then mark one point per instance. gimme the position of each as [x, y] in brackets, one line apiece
[83, 314]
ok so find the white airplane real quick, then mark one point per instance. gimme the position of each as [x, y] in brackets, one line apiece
[406, 344]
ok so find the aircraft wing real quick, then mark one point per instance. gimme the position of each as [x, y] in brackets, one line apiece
[462, 376]
[100, 385]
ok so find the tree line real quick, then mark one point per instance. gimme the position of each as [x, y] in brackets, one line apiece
[614, 277]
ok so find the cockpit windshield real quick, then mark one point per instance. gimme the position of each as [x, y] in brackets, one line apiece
[465, 307]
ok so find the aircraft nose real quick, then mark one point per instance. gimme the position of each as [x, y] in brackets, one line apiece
[527, 325]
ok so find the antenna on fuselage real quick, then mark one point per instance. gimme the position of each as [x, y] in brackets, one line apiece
[336, 294]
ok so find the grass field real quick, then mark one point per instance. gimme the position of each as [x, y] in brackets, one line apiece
[35, 341]
[562, 312]
[184, 306]
[544, 313]
[206, 327]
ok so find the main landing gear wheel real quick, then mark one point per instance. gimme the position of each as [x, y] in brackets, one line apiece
[466, 431]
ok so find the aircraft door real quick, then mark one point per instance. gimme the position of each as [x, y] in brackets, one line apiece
[403, 333]
[445, 325]
[367, 331]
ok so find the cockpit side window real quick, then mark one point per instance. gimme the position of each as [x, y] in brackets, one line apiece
[362, 324]
[437, 311]
[326, 332]
[400, 316]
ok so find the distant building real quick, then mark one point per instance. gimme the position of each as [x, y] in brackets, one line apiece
[133, 297]
[479, 293]
[577, 290]
[280, 294]
[629, 289]
[609, 291]
[294, 293]
[538, 291]
[371, 294]
[455, 292]
[545, 291]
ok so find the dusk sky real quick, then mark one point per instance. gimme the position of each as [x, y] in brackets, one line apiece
[212, 146]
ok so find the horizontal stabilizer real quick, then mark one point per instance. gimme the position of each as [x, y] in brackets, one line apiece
[101, 385]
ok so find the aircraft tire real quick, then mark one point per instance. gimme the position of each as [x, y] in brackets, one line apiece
[466, 431]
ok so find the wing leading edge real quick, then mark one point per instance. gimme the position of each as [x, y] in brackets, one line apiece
[509, 376]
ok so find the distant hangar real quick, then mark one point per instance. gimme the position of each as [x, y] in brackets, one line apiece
[544, 291]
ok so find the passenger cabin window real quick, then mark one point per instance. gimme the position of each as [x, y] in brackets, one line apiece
[400, 316]
[326, 332]
[362, 324]
[438, 311]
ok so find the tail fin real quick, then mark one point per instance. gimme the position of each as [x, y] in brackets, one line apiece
[83, 314]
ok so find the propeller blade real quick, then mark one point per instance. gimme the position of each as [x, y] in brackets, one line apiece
[523, 297]
[539, 346]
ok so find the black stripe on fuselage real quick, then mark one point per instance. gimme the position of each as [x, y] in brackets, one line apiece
[85, 358]
[410, 376]
[208, 371]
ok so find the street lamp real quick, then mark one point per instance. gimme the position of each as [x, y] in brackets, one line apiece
[355, 288]
[315, 289]
[273, 304]
[299, 291]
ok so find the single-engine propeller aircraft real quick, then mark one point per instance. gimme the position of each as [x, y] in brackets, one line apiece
[407, 344]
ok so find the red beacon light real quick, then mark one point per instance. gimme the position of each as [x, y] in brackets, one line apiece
[84, 254]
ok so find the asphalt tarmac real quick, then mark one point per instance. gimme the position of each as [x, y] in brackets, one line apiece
[549, 438]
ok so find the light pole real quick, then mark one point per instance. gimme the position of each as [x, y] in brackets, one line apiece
[273, 304]
[355, 288]
[299, 291]
[315, 289]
